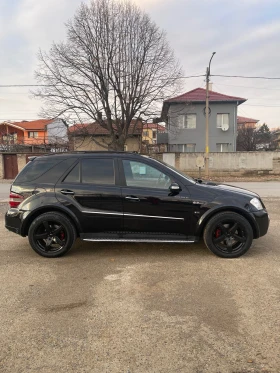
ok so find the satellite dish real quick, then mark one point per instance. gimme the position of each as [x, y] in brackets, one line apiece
[199, 162]
[225, 127]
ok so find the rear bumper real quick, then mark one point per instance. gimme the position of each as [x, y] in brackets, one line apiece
[262, 222]
[13, 220]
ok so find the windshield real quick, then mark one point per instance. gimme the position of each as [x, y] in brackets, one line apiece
[175, 170]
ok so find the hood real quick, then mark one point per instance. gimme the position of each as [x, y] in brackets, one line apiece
[216, 187]
[234, 189]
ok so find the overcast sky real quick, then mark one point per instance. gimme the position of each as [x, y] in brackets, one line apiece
[244, 34]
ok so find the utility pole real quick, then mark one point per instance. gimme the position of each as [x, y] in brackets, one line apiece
[207, 119]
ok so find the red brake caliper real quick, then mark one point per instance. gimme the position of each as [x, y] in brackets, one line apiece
[218, 232]
[62, 235]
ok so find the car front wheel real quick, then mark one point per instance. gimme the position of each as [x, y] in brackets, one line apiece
[228, 235]
[51, 234]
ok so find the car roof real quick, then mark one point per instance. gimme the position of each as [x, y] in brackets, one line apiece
[84, 154]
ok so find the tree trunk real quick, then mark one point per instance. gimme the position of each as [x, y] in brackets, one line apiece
[117, 144]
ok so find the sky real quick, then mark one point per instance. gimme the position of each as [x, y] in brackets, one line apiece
[244, 34]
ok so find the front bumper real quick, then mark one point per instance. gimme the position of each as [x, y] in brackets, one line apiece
[13, 220]
[262, 221]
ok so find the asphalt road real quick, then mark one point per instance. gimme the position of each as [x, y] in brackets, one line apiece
[153, 308]
[263, 188]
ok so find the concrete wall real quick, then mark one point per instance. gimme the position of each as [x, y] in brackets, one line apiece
[197, 135]
[21, 158]
[229, 164]
[1, 167]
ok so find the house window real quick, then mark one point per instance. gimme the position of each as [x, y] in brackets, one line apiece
[32, 134]
[154, 134]
[190, 121]
[222, 147]
[186, 121]
[222, 120]
[190, 148]
[182, 148]
[145, 133]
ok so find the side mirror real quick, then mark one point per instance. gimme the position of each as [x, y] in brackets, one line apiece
[174, 187]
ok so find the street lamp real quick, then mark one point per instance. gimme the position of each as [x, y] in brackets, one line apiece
[207, 119]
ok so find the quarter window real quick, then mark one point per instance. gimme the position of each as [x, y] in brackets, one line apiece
[98, 171]
[74, 175]
[138, 174]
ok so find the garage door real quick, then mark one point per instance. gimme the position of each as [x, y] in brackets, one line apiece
[10, 166]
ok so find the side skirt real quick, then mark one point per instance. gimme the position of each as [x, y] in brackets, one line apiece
[137, 237]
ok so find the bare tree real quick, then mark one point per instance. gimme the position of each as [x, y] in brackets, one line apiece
[246, 139]
[115, 65]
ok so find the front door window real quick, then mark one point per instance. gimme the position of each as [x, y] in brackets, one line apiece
[138, 174]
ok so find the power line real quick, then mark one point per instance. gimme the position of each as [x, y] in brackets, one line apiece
[181, 77]
[247, 77]
[276, 106]
[246, 86]
[52, 85]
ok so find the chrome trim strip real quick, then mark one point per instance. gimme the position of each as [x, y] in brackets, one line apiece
[153, 216]
[134, 240]
[103, 213]
[136, 215]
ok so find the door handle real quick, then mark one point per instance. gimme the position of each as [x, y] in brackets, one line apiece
[132, 198]
[66, 191]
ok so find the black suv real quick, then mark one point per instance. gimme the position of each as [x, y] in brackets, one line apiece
[119, 196]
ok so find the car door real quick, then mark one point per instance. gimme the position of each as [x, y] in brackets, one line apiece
[148, 204]
[92, 192]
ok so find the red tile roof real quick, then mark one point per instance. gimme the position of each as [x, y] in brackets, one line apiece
[97, 129]
[156, 126]
[35, 125]
[243, 120]
[199, 95]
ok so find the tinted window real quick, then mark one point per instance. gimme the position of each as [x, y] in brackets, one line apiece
[44, 171]
[55, 173]
[98, 171]
[139, 174]
[74, 175]
[34, 169]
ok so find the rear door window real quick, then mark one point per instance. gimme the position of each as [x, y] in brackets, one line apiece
[98, 171]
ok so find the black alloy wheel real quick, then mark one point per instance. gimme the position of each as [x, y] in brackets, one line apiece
[228, 235]
[51, 234]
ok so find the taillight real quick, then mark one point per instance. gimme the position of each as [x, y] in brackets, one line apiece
[15, 199]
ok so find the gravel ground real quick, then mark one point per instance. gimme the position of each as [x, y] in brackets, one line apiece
[140, 308]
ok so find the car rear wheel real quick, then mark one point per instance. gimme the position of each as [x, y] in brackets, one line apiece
[228, 235]
[51, 234]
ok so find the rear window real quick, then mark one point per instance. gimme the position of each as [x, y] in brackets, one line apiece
[44, 171]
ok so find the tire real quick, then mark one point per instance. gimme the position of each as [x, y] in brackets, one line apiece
[228, 235]
[51, 234]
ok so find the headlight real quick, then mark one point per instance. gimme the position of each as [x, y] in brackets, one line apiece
[256, 203]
